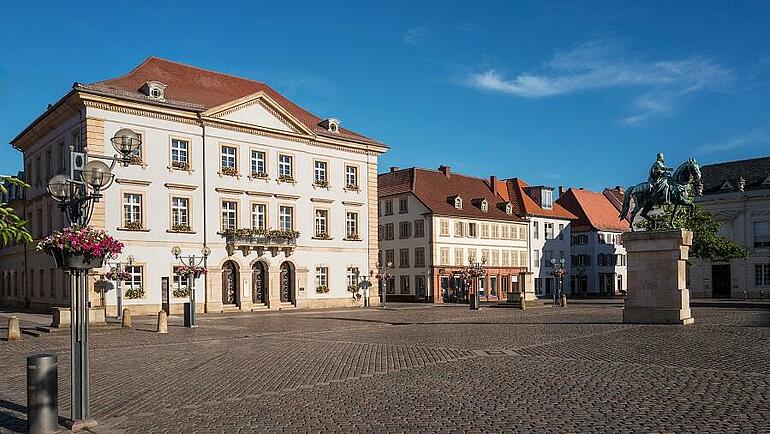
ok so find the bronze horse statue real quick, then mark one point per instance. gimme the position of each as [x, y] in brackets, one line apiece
[684, 184]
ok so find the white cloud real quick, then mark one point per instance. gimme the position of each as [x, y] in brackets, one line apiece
[595, 65]
[750, 138]
[415, 34]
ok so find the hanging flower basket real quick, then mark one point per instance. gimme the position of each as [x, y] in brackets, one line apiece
[80, 248]
[116, 274]
[186, 270]
[181, 292]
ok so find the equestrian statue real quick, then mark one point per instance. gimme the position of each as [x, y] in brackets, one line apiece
[663, 188]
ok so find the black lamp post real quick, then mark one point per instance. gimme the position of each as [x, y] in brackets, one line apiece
[559, 272]
[383, 274]
[473, 271]
[192, 261]
[76, 196]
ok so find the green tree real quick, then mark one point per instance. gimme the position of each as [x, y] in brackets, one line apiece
[12, 227]
[706, 242]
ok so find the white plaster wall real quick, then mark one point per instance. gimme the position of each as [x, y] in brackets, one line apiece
[539, 268]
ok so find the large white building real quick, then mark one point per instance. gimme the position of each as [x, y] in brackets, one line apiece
[738, 194]
[433, 223]
[598, 258]
[219, 153]
[549, 231]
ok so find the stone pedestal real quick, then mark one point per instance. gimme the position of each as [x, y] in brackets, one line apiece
[657, 286]
[62, 317]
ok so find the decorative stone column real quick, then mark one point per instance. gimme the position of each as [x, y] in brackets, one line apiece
[657, 284]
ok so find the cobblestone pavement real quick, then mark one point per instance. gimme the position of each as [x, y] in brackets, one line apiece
[419, 368]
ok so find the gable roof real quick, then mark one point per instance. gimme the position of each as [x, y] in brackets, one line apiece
[594, 211]
[524, 205]
[199, 89]
[754, 171]
[433, 188]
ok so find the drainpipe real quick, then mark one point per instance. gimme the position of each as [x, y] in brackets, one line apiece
[205, 210]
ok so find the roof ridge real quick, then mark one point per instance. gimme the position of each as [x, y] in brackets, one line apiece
[736, 161]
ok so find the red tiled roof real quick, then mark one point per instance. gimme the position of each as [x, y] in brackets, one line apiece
[433, 189]
[524, 205]
[594, 211]
[206, 89]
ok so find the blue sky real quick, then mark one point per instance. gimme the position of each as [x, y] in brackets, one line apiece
[560, 93]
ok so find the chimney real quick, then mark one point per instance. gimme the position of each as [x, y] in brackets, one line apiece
[493, 184]
[394, 168]
[620, 189]
[561, 190]
[445, 170]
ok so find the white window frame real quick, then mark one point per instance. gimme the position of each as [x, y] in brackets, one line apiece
[180, 215]
[229, 214]
[351, 225]
[259, 212]
[285, 213]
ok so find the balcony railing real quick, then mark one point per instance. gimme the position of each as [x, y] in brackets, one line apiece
[260, 240]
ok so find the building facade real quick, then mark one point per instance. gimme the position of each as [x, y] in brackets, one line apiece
[737, 193]
[549, 231]
[598, 258]
[223, 162]
[434, 223]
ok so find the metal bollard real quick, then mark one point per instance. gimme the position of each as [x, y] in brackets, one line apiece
[188, 314]
[563, 300]
[42, 393]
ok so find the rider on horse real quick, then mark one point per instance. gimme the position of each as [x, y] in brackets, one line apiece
[659, 179]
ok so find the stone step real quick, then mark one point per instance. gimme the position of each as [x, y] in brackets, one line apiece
[286, 306]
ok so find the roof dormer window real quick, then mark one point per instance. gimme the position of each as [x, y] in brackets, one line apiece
[456, 201]
[484, 205]
[508, 208]
[154, 90]
[331, 125]
[546, 198]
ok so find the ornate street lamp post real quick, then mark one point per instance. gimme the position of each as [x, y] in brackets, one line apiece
[472, 272]
[193, 262]
[383, 274]
[76, 196]
[559, 272]
[118, 266]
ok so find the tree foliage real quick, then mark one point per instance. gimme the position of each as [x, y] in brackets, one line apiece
[706, 242]
[12, 227]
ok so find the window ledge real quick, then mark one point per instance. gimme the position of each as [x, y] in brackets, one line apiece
[285, 181]
[352, 188]
[327, 186]
[132, 230]
[265, 178]
[179, 169]
[171, 231]
[352, 239]
[234, 175]
[322, 238]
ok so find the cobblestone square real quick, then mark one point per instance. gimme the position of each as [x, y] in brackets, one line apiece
[418, 368]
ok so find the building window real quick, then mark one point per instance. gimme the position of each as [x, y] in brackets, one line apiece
[285, 218]
[180, 154]
[405, 285]
[419, 256]
[419, 285]
[285, 167]
[229, 160]
[536, 257]
[536, 230]
[259, 216]
[321, 220]
[419, 228]
[547, 198]
[403, 258]
[561, 231]
[506, 258]
[320, 174]
[504, 232]
[458, 203]
[484, 230]
[484, 206]
[762, 274]
[388, 207]
[258, 164]
[495, 232]
[352, 276]
[351, 225]
[459, 259]
[390, 257]
[459, 229]
[403, 205]
[548, 231]
[389, 231]
[495, 258]
[444, 228]
[322, 279]
[351, 177]
[762, 234]
[134, 281]
[229, 215]
[404, 230]
[472, 233]
[132, 210]
[180, 282]
[180, 214]
[444, 255]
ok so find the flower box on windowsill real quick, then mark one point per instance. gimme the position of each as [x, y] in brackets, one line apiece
[322, 236]
[286, 178]
[135, 160]
[229, 171]
[134, 293]
[259, 175]
[133, 226]
[321, 184]
[351, 187]
[321, 289]
[182, 228]
[181, 292]
[352, 237]
[180, 165]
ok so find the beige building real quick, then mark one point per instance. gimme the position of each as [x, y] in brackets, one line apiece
[219, 154]
[738, 194]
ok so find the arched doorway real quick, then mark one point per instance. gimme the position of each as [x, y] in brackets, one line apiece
[259, 279]
[230, 283]
[287, 282]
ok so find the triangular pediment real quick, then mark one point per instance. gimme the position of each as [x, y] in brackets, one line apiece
[766, 182]
[260, 110]
[726, 186]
